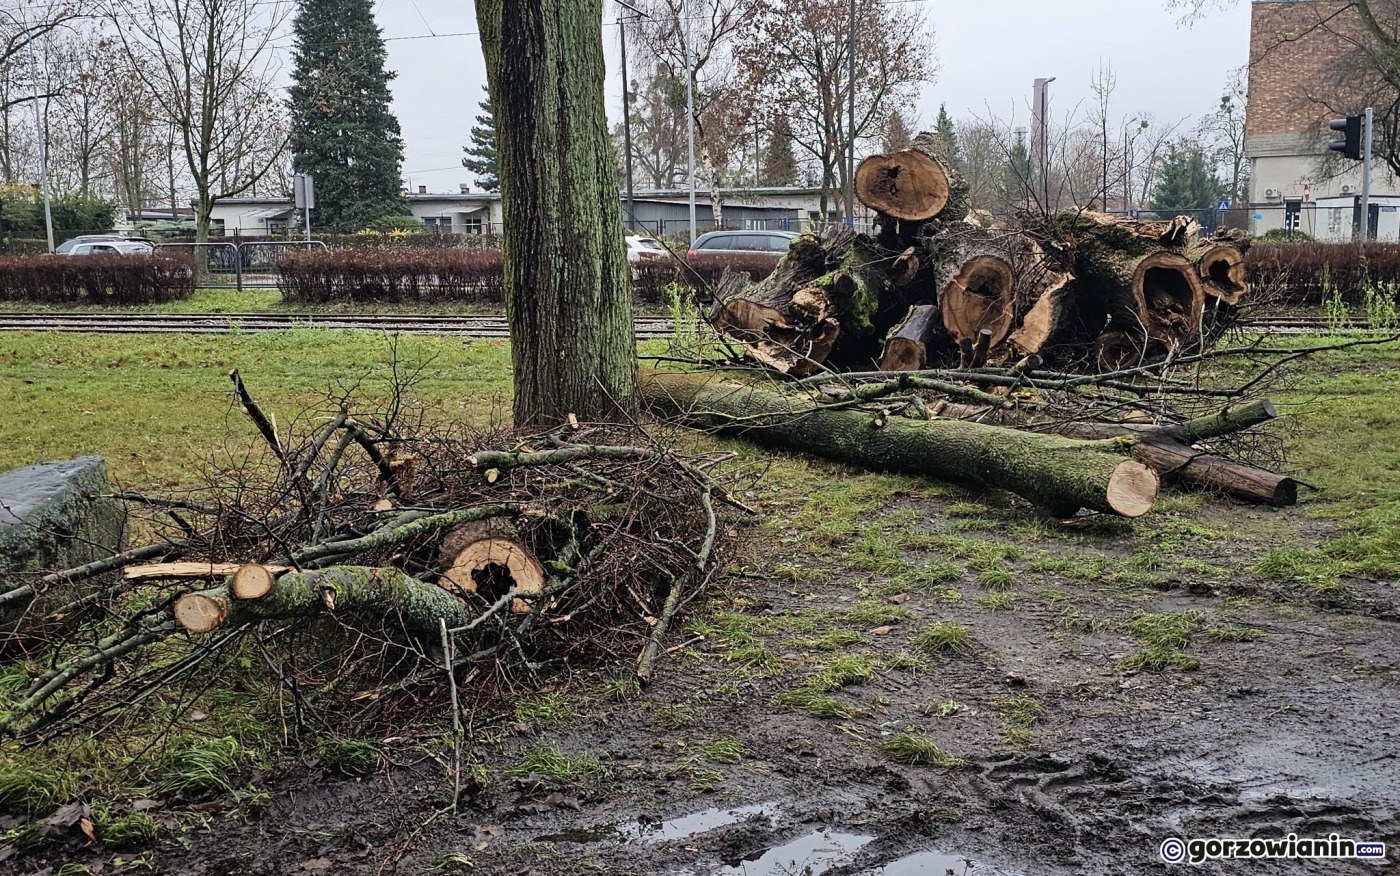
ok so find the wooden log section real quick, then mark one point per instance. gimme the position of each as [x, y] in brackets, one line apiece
[374, 592]
[1048, 318]
[1172, 298]
[909, 185]
[906, 349]
[1221, 269]
[488, 558]
[1057, 474]
[189, 569]
[980, 295]
[251, 581]
[1182, 463]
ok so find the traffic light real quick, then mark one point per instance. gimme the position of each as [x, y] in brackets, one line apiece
[1350, 145]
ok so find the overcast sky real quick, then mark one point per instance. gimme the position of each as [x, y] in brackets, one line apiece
[989, 52]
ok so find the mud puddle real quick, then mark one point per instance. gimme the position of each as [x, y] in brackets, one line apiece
[810, 855]
[654, 830]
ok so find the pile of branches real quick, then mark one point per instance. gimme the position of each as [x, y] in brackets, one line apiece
[393, 553]
[938, 286]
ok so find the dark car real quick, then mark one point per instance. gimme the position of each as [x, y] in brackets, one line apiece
[773, 243]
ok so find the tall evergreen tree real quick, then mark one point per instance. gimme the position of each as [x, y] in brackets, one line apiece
[481, 154]
[1187, 181]
[947, 137]
[343, 131]
[1014, 189]
[779, 162]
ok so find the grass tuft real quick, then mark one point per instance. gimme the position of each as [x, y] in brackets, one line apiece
[545, 710]
[198, 766]
[944, 637]
[876, 613]
[723, 749]
[815, 703]
[349, 757]
[845, 670]
[29, 790]
[917, 750]
[550, 760]
[136, 829]
[1022, 713]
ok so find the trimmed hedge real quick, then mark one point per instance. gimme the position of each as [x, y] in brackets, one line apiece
[1309, 273]
[391, 274]
[95, 279]
[406, 274]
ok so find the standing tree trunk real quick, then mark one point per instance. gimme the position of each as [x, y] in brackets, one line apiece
[567, 295]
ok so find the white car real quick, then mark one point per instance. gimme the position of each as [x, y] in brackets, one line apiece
[110, 247]
[644, 249]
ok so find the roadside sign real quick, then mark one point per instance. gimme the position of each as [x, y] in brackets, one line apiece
[1222, 205]
[303, 192]
[1258, 216]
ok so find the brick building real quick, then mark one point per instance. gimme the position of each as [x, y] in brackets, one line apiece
[1305, 67]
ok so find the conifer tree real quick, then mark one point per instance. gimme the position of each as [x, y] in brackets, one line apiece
[947, 138]
[779, 162]
[343, 131]
[481, 154]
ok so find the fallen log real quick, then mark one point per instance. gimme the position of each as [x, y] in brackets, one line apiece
[1182, 463]
[183, 570]
[1057, 474]
[378, 591]
[981, 292]
[1221, 269]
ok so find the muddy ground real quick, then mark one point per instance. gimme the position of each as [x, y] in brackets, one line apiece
[1073, 761]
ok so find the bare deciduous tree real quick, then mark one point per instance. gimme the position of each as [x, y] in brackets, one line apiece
[207, 66]
[797, 60]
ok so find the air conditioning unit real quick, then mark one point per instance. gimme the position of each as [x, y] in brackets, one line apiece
[1271, 193]
[1346, 190]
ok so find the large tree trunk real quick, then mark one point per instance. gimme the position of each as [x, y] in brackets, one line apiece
[1057, 474]
[567, 293]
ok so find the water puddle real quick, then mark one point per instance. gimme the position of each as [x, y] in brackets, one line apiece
[582, 835]
[809, 855]
[699, 822]
[925, 864]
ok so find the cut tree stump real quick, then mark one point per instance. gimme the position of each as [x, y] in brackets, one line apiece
[488, 558]
[1057, 474]
[1221, 269]
[251, 581]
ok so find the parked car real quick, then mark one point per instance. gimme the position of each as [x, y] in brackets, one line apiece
[644, 249]
[767, 242]
[83, 243]
[110, 247]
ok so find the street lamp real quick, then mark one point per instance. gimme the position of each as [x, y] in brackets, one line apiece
[1128, 162]
[626, 103]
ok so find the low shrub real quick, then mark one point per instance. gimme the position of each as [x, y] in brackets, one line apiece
[1314, 273]
[99, 279]
[409, 274]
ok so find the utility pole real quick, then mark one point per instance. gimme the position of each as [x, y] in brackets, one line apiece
[627, 104]
[43, 149]
[1041, 136]
[851, 140]
[1366, 177]
[689, 111]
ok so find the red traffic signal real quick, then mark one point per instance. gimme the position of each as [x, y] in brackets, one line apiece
[1350, 145]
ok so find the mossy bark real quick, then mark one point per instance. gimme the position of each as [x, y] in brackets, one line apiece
[567, 293]
[1058, 474]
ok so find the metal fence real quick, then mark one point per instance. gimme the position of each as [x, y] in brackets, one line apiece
[247, 265]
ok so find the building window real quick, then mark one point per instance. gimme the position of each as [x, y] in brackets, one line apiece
[472, 225]
[439, 224]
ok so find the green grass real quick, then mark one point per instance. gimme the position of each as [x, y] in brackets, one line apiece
[349, 757]
[1163, 637]
[674, 716]
[944, 637]
[903, 661]
[917, 750]
[156, 406]
[815, 703]
[621, 690]
[876, 613]
[926, 577]
[722, 749]
[131, 831]
[1021, 714]
[845, 670]
[33, 790]
[698, 776]
[551, 761]
[997, 602]
[996, 577]
[832, 640]
[545, 710]
[196, 765]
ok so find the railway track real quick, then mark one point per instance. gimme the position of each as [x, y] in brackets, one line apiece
[248, 323]
[647, 327]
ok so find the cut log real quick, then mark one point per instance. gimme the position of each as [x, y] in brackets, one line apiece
[371, 591]
[1221, 269]
[201, 612]
[906, 349]
[488, 558]
[1115, 350]
[1230, 420]
[251, 581]
[1182, 463]
[1057, 474]
[909, 185]
[1172, 298]
[980, 295]
[1049, 318]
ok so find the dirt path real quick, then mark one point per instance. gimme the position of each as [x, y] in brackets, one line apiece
[1275, 709]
